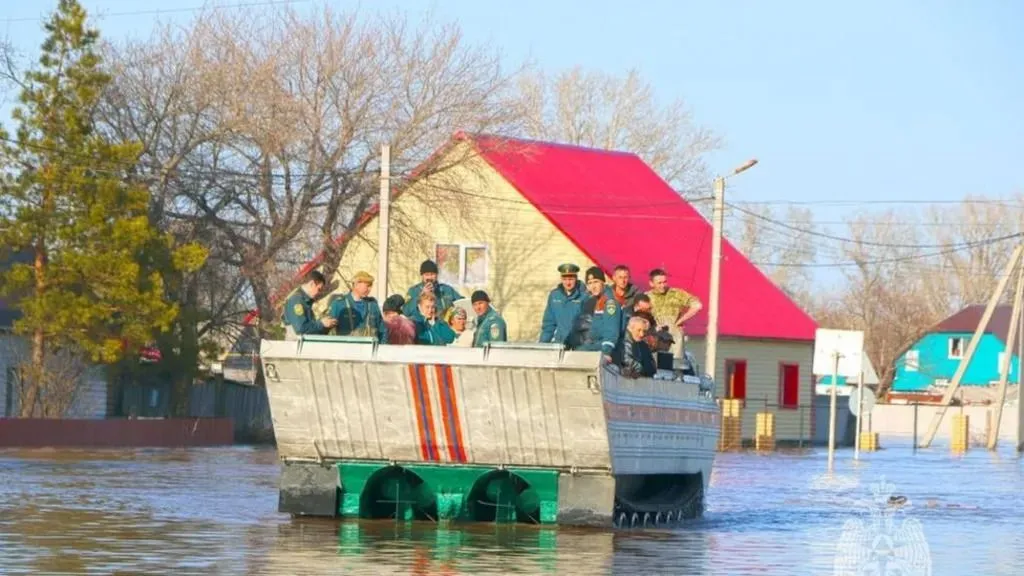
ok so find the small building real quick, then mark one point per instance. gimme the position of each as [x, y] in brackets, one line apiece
[501, 214]
[929, 364]
[90, 398]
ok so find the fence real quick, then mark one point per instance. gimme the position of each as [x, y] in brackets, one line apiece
[744, 421]
[247, 406]
[909, 423]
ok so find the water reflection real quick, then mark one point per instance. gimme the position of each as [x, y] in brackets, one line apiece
[213, 511]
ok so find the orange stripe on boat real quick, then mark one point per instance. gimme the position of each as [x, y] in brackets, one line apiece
[431, 429]
[417, 407]
[446, 412]
[460, 445]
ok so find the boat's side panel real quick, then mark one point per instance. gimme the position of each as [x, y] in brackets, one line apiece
[438, 413]
[659, 426]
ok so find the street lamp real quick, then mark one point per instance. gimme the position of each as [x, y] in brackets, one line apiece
[711, 346]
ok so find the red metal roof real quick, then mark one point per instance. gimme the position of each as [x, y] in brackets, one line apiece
[967, 320]
[619, 211]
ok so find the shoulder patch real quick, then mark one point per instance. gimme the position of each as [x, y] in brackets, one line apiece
[298, 309]
[609, 307]
[495, 331]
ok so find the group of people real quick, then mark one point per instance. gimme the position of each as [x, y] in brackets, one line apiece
[427, 314]
[626, 325]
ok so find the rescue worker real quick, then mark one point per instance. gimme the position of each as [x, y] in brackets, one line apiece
[563, 307]
[357, 313]
[490, 326]
[298, 309]
[625, 292]
[600, 323]
[430, 329]
[633, 354]
[446, 295]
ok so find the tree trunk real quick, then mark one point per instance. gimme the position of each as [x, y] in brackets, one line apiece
[33, 383]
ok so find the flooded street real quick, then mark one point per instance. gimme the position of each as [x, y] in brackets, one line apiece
[213, 511]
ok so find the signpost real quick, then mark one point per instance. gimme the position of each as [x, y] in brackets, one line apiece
[860, 404]
[838, 353]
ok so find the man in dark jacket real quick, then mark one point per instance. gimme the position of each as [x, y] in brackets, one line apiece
[601, 321]
[633, 355]
[563, 307]
[445, 294]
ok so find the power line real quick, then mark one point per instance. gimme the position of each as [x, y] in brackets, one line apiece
[869, 242]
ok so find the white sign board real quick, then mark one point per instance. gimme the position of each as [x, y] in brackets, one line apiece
[850, 346]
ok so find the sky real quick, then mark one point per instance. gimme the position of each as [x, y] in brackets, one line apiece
[867, 101]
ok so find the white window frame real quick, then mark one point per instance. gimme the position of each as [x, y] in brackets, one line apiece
[999, 363]
[949, 347]
[912, 361]
[462, 261]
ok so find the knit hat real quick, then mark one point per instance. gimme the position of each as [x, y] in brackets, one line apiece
[479, 296]
[394, 303]
[595, 273]
[428, 267]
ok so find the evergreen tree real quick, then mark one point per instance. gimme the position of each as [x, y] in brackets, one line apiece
[69, 201]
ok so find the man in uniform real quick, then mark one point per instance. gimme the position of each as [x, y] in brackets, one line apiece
[601, 319]
[445, 294]
[671, 307]
[357, 313]
[490, 326]
[564, 304]
[298, 309]
[624, 291]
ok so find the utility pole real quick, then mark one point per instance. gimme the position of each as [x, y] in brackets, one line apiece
[1004, 366]
[933, 428]
[832, 410]
[383, 219]
[717, 219]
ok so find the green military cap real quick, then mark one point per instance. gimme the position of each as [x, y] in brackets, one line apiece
[569, 269]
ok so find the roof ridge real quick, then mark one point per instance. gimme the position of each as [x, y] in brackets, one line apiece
[478, 136]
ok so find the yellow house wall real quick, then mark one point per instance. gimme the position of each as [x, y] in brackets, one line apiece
[763, 358]
[470, 203]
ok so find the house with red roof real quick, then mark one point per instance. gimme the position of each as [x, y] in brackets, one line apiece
[501, 214]
[928, 365]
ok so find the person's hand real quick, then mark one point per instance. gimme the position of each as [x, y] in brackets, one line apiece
[330, 322]
[606, 359]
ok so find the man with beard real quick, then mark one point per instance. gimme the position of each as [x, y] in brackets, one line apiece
[444, 295]
[563, 307]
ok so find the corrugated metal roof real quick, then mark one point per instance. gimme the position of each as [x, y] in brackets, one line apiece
[967, 321]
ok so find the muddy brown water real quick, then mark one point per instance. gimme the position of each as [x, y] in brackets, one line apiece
[213, 511]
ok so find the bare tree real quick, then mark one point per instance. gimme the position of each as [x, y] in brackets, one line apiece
[782, 247]
[276, 145]
[621, 113]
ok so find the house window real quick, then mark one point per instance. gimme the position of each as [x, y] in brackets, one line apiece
[789, 386]
[461, 264]
[736, 379]
[912, 361]
[956, 347]
[999, 364]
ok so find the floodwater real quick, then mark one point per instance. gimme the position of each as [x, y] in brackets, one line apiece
[213, 511]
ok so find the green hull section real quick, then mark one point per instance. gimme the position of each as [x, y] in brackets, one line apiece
[447, 493]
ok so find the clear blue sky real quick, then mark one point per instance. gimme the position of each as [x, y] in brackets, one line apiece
[869, 100]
